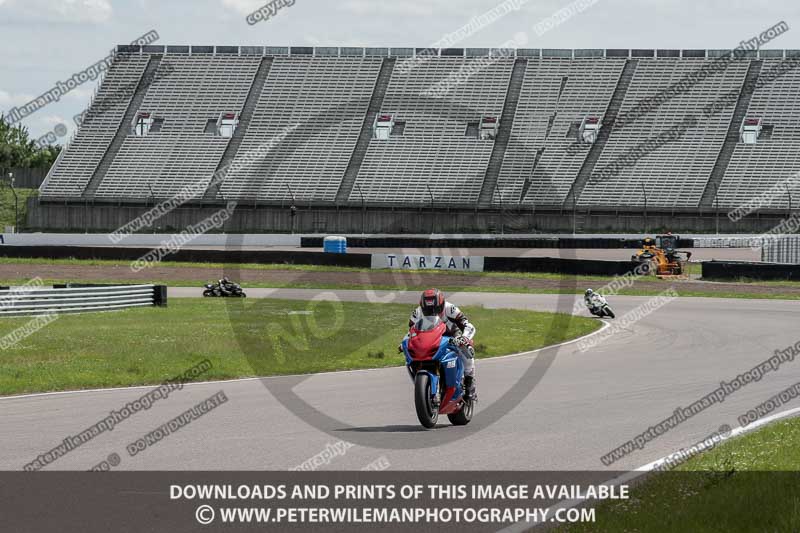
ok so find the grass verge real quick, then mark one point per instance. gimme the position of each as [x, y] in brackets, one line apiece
[749, 483]
[451, 282]
[312, 268]
[693, 268]
[243, 338]
[569, 286]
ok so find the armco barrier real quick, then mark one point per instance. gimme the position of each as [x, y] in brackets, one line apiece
[494, 242]
[190, 255]
[81, 298]
[558, 265]
[784, 250]
[741, 269]
[145, 240]
[555, 265]
[728, 242]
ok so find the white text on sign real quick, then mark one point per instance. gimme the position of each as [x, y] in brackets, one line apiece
[428, 262]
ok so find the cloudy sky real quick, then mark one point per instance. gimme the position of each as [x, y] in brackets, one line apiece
[46, 41]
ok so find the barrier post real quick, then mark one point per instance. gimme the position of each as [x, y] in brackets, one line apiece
[644, 193]
[160, 295]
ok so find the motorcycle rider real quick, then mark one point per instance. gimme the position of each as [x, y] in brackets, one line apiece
[225, 285]
[593, 300]
[432, 303]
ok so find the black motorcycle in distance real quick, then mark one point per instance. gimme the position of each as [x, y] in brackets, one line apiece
[230, 289]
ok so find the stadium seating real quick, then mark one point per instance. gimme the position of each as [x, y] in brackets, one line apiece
[755, 169]
[434, 151]
[676, 173]
[308, 131]
[556, 94]
[191, 91]
[80, 159]
[325, 98]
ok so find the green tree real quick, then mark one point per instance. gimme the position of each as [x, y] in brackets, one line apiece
[17, 149]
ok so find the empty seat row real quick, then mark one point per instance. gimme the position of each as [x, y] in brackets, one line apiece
[309, 114]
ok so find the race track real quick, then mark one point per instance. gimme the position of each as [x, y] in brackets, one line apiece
[585, 404]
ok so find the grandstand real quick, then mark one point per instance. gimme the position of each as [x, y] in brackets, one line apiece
[675, 175]
[190, 91]
[754, 168]
[433, 154]
[556, 93]
[476, 131]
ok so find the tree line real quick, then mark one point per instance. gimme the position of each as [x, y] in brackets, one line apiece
[18, 150]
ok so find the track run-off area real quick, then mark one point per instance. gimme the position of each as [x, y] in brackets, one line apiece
[582, 405]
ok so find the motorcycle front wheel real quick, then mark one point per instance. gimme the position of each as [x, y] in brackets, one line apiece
[208, 293]
[427, 414]
[463, 416]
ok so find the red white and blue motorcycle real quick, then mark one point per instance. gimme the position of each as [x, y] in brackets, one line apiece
[437, 371]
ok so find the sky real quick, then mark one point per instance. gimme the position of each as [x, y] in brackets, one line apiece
[47, 41]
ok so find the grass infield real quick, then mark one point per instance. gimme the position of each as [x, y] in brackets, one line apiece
[748, 483]
[271, 337]
[472, 281]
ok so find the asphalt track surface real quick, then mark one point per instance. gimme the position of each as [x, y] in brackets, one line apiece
[586, 403]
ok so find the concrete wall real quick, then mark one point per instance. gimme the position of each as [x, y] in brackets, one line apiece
[149, 240]
[26, 178]
[328, 220]
[736, 270]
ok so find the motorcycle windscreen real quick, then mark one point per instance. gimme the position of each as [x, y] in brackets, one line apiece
[428, 323]
[425, 337]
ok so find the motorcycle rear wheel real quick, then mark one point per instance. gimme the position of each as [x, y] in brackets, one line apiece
[427, 414]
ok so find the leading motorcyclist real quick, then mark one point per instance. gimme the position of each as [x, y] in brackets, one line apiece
[432, 303]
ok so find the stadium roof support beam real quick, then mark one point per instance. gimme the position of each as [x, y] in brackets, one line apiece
[503, 133]
[124, 128]
[365, 135]
[732, 137]
[245, 117]
[609, 119]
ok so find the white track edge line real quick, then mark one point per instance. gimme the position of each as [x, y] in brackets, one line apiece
[642, 470]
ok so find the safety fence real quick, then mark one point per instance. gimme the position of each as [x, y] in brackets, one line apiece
[189, 255]
[488, 242]
[781, 250]
[554, 265]
[559, 265]
[738, 270]
[728, 242]
[17, 301]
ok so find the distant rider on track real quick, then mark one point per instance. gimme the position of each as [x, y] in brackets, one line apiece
[432, 303]
[594, 300]
[225, 285]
